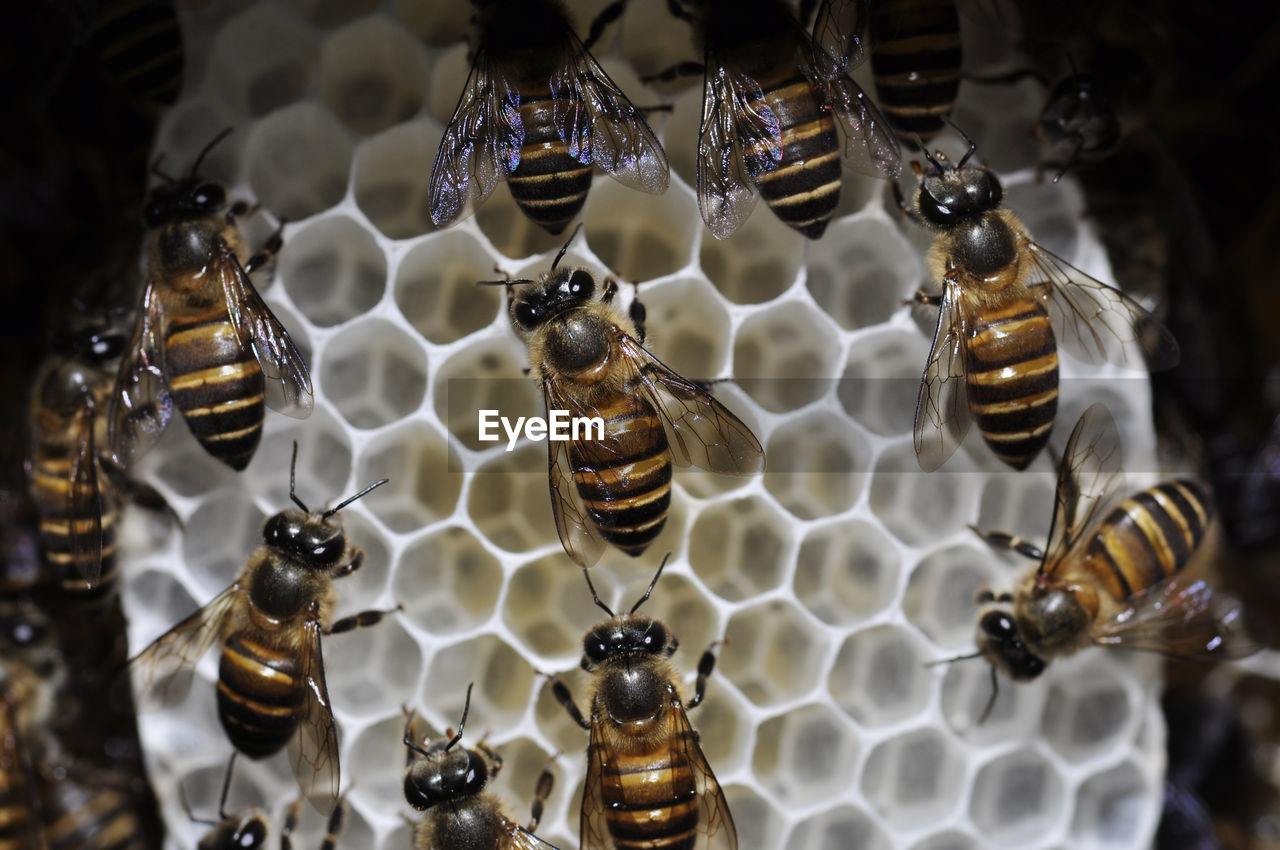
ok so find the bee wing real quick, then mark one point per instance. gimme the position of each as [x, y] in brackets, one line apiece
[85, 534]
[870, 147]
[580, 537]
[259, 331]
[1181, 618]
[701, 431]
[170, 658]
[1097, 323]
[942, 408]
[601, 126]
[593, 832]
[516, 837]
[480, 146]
[1088, 479]
[715, 823]
[840, 36]
[739, 140]
[313, 750]
[140, 403]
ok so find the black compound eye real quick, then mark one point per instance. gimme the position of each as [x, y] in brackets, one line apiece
[253, 834]
[276, 531]
[595, 648]
[655, 638]
[934, 210]
[1000, 625]
[209, 196]
[477, 773]
[581, 284]
[106, 346]
[526, 315]
[329, 550]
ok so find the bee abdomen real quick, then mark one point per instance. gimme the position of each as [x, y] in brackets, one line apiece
[17, 820]
[105, 821]
[67, 511]
[803, 190]
[548, 184]
[260, 696]
[218, 386]
[1149, 536]
[651, 801]
[916, 63]
[1013, 379]
[625, 479]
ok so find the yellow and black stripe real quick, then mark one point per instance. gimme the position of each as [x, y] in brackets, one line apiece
[1012, 377]
[548, 184]
[1149, 536]
[17, 816]
[217, 384]
[261, 696]
[803, 190]
[625, 479]
[140, 44]
[651, 799]
[916, 57]
[103, 818]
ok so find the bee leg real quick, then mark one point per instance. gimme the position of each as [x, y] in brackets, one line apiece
[541, 791]
[561, 692]
[706, 664]
[360, 621]
[985, 596]
[291, 816]
[347, 569]
[241, 209]
[268, 250]
[337, 822]
[922, 299]
[494, 757]
[681, 69]
[607, 15]
[1011, 542]
[638, 313]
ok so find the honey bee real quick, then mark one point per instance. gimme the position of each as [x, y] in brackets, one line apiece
[589, 360]
[249, 829]
[648, 783]
[1109, 575]
[538, 111]
[92, 810]
[916, 56]
[271, 684]
[1079, 113]
[205, 341]
[779, 112]
[449, 788]
[995, 351]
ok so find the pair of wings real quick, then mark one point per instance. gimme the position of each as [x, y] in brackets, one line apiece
[85, 531]
[1096, 323]
[164, 670]
[141, 405]
[701, 432]
[740, 136]
[1179, 617]
[483, 141]
[715, 830]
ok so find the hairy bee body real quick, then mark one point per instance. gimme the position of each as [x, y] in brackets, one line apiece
[916, 58]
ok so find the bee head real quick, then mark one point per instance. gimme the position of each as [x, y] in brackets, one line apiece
[560, 290]
[442, 773]
[90, 344]
[1001, 642]
[948, 195]
[192, 196]
[247, 833]
[626, 635]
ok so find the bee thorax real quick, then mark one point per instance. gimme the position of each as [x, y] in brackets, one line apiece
[633, 694]
[280, 590]
[1057, 621]
[578, 342]
[985, 245]
[184, 245]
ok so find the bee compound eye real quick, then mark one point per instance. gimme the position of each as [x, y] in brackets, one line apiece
[581, 284]
[526, 314]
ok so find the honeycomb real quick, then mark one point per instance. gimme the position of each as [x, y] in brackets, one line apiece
[837, 577]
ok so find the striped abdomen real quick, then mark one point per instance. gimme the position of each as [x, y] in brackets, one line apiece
[260, 695]
[651, 799]
[17, 817]
[916, 57]
[1148, 537]
[625, 478]
[77, 818]
[67, 511]
[140, 44]
[217, 384]
[1012, 363]
[804, 188]
[548, 184]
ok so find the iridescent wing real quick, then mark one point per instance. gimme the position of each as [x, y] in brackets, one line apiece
[840, 36]
[1088, 479]
[739, 140]
[701, 431]
[140, 403]
[1097, 323]
[715, 824]
[163, 670]
[84, 532]
[580, 537]
[1180, 618]
[259, 331]
[870, 146]
[313, 750]
[942, 409]
[480, 146]
[602, 127]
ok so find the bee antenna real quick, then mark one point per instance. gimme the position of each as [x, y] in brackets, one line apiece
[374, 486]
[973, 146]
[409, 716]
[155, 169]
[595, 596]
[226, 785]
[502, 282]
[995, 692]
[924, 149]
[293, 468]
[462, 724]
[656, 576]
[186, 807]
[195, 168]
[565, 247]
[977, 654]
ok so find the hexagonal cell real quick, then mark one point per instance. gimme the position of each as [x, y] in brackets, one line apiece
[202, 787]
[298, 161]
[509, 500]
[392, 171]
[785, 357]
[436, 287]
[424, 486]
[370, 668]
[737, 548]
[453, 66]
[1051, 213]
[330, 14]
[372, 764]
[262, 60]
[183, 464]
[639, 236]
[817, 465]
[373, 74]
[364, 589]
[941, 590]
[512, 232]
[1018, 797]
[949, 840]
[755, 816]
[680, 140]
[967, 693]
[1116, 808]
[806, 754]
[846, 572]
[914, 778]
[486, 376]
[758, 263]
[156, 600]
[522, 764]
[879, 677]
[1091, 717]
[187, 128]
[503, 682]
[333, 270]
[548, 607]
[774, 654]
[861, 272]
[843, 826]
[374, 373]
[1020, 503]
[448, 582]
[221, 534]
[921, 507]
[324, 462]
[728, 737]
[687, 326]
[881, 380]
